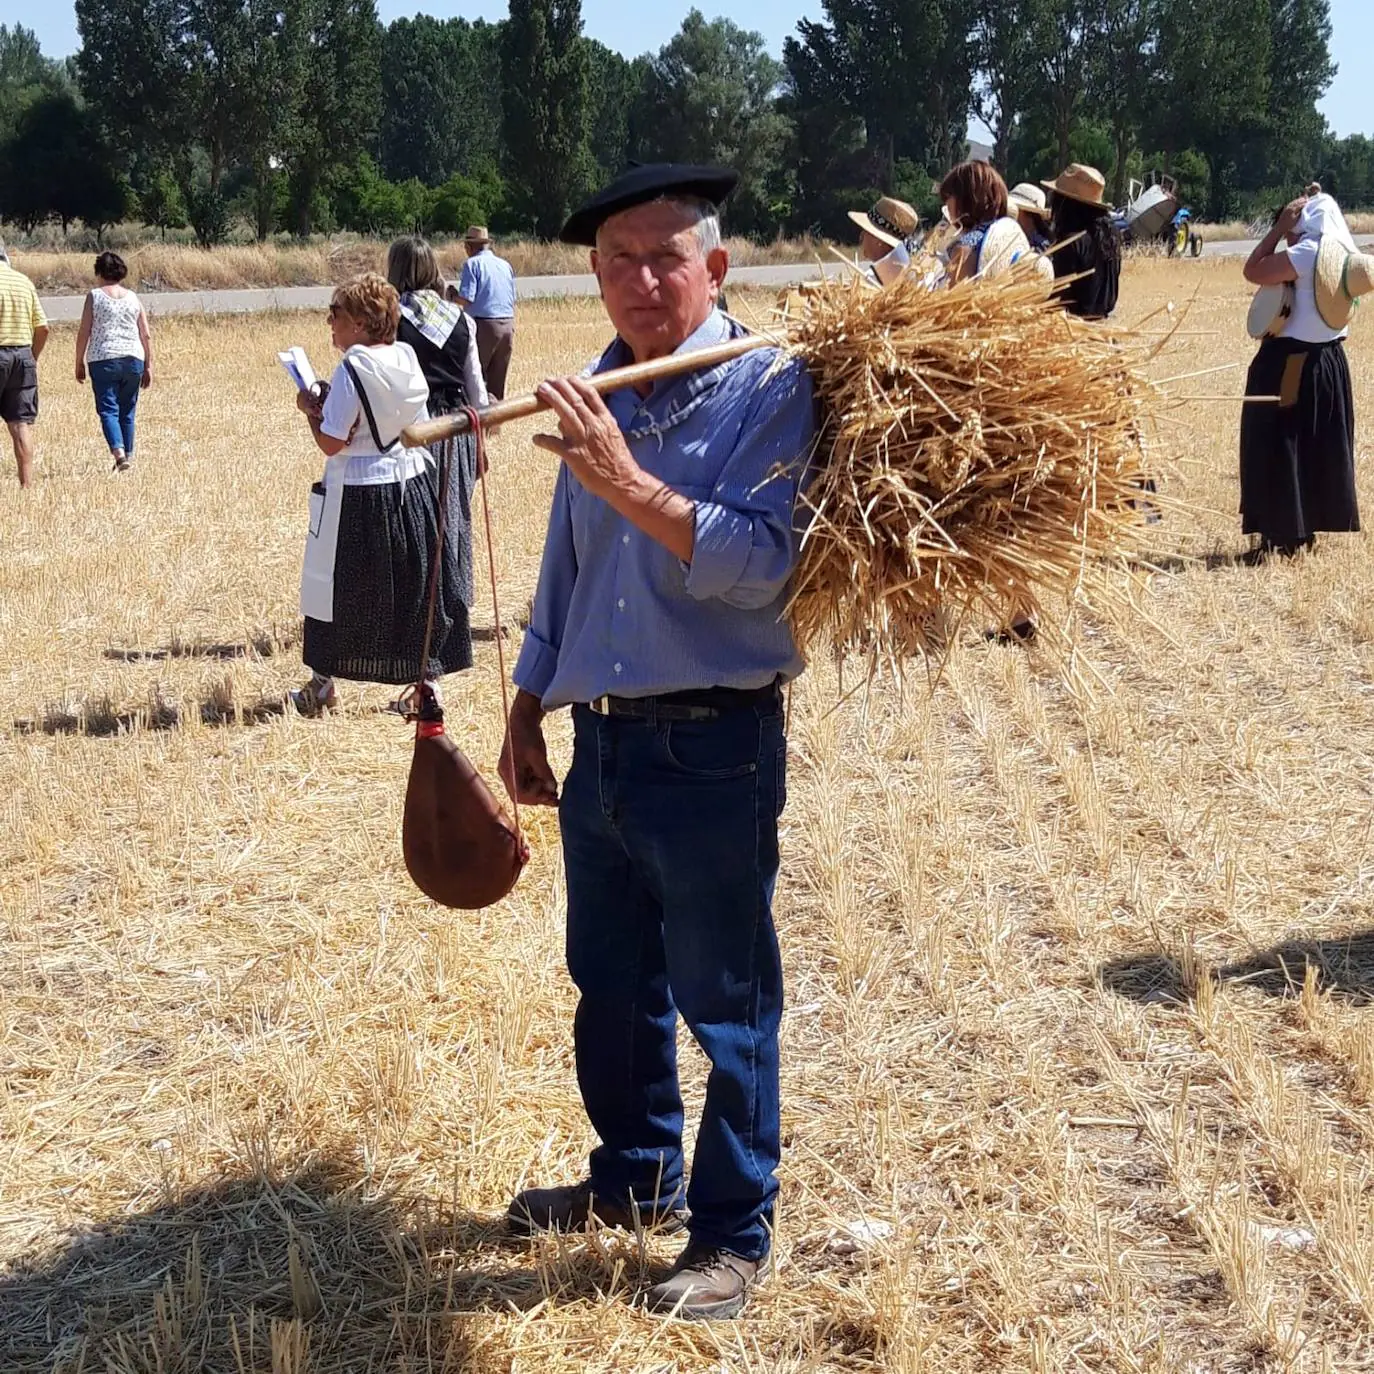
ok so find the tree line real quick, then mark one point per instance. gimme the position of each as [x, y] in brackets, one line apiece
[309, 115]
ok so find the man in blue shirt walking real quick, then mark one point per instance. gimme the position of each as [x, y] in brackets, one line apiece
[659, 619]
[486, 290]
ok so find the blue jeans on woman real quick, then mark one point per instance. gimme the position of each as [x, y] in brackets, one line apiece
[670, 843]
[115, 382]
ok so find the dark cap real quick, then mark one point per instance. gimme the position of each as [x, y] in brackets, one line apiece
[641, 184]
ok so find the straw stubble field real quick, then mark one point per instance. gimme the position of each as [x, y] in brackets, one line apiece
[1078, 1070]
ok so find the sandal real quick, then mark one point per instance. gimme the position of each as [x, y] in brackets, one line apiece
[311, 701]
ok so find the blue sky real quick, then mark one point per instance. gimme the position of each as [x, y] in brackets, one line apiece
[635, 26]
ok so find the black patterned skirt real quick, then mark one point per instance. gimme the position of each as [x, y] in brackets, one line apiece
[1297, 458]
[381, 577]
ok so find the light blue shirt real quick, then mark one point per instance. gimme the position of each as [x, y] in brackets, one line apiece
[617, 613]
[488, 284]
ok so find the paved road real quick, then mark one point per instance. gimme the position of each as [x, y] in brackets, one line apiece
[527, 288]
[68, 308]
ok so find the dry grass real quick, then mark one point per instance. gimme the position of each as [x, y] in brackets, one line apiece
[175, 267]
[1360, 221]
[1078, 983]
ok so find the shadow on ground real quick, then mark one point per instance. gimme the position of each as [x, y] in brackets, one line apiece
[102, 718]
[263, 645]
[1344, 967]
[228, 1277]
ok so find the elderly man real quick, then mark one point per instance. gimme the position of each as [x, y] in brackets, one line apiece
[23, 335]
[658, 619]
[486, 290]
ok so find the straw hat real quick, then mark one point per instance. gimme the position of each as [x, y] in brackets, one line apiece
[891, 221]
[1270, 311]
[1342, 276]
[1004, 244]
[477, 233]
[1082, 183]
[1030, 198]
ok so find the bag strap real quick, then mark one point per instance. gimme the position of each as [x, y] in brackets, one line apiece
[367, 409]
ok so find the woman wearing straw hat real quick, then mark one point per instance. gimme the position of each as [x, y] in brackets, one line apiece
[976, 203]
[887, 233]
[1297, 461]
[1091, 255]
[1028, 203]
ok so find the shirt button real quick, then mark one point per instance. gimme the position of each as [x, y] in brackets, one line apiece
[617, 667]
[624, 538]
[621, 603]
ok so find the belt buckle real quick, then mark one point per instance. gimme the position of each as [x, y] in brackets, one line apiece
[600, 706]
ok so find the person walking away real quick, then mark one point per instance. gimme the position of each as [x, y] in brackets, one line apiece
[1079, 213]
[659, 618]
[887, 233]
[23, 336]
[1297, 460]
[989, 240]
[114, 342]
[486, 290]
[374, 516]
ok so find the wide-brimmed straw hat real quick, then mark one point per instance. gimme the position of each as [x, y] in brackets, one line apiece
[1004, 244]
[1270, 310]
[1030, 198]
[891, 221]
[1342, 276]
[477, 233]
[1082, 183]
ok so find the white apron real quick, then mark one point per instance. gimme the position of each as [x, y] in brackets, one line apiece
[321, 546]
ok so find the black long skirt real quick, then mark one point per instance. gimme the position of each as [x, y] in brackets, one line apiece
[381, 578]
[1297, 459]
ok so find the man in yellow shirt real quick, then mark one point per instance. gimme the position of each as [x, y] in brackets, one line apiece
[23, 335]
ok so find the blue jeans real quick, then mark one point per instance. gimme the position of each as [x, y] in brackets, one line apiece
[115, 382]
[670, 843]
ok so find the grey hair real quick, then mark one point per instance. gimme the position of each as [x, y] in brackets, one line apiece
[704, 217]
[4, 253]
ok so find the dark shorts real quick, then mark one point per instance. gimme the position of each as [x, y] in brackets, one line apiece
[18, 386]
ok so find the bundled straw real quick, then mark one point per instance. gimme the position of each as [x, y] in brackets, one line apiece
[980, 449]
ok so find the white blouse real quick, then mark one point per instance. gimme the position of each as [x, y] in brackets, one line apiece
[114, 326]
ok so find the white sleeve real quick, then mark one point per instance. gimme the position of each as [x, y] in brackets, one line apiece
[473, 381]
[341, 408]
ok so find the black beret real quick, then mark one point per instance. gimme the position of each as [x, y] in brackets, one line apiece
[641, 184]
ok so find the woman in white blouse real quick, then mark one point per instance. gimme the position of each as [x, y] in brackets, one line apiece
[1297, 458]
[114, 343]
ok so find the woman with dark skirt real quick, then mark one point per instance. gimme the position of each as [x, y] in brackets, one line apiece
[1297, 458]
[1079, 213]
[374, 517]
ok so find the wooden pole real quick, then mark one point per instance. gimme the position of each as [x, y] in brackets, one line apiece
[428, 432]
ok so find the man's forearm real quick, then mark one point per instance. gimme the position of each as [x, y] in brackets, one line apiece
[40, 342]
[660, 512]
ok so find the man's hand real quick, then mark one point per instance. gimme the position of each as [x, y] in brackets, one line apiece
[147, 379]
[524, 765]
[591, 444]
[80, 371]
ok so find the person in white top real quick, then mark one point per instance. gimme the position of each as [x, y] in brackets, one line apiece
[1297, 458]
[374, 516]
[115, 344]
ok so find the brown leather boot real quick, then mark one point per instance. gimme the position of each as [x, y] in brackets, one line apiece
[706, 1284]
[571, 1209]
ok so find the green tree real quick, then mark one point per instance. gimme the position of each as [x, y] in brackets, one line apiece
[616, 110]
[1122, 76]
[1004, 55]
[1300, 73]
[160, 202]
[1213, 95]
[441, 102]
[56, 166]
[711, 96]
[341, 101]
[1062, 37]
[545, 68]
[903, 67]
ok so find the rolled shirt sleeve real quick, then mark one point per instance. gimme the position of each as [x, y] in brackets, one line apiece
[473, 382]
[38, 319]
[747, 536]
[538, 661]
[468, 281]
